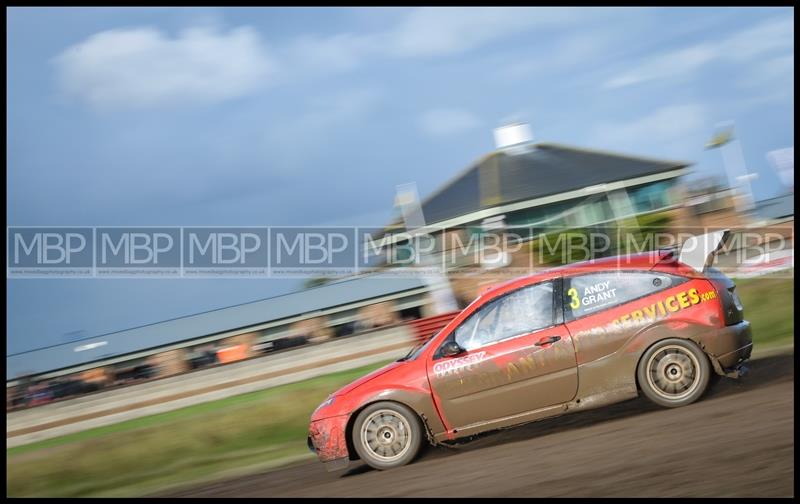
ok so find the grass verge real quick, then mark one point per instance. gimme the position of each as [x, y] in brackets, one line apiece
[769, 306]
[257, 429]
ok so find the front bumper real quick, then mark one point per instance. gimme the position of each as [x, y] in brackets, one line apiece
[327, 438]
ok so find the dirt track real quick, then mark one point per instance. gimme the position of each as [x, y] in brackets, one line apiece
[737, 441]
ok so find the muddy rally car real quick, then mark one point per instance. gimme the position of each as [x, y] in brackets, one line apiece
[663, 324]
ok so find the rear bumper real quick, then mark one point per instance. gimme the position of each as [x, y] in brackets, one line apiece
[731, 349]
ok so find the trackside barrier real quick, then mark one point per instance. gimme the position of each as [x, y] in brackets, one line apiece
[425, 328]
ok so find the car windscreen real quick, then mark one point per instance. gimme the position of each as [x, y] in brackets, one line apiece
[417, 350]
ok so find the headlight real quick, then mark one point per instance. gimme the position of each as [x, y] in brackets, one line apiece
[326, 402]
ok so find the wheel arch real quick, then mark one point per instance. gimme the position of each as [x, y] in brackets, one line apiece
[348, 432]
[655, 342]
[670, 329]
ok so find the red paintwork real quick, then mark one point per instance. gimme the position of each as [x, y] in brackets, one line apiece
[329, 423]
[364, 379]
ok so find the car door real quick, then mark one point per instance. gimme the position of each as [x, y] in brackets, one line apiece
[518, 357]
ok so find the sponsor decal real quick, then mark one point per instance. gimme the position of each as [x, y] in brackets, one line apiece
[593, 296]
[524, 365]
[527, 363]
[454, 366]
[663, 307]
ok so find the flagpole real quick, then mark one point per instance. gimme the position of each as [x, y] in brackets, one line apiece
[733, 162]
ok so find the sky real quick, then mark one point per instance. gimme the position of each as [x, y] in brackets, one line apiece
[313, 116]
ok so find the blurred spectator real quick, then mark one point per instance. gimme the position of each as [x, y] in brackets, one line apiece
[345, 329]
[203, 357]
[143, 372]
[39, 394]
[232, 353]
[128, 374]
[65, 387]
[289, 342]
[362, 325]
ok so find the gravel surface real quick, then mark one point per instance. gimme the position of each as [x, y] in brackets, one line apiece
[736, 441]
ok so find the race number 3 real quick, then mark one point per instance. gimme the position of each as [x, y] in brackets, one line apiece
[575, 301]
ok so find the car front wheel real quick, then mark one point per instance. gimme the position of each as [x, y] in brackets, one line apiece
[387, 435]
[674, 372]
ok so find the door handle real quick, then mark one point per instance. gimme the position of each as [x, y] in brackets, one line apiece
[548, 340]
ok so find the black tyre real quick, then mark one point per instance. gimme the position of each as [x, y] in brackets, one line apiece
[674, 372]
[387, 435]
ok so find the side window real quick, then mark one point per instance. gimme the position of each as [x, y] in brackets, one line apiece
[520, 312]
[476, 331]
[587, 294]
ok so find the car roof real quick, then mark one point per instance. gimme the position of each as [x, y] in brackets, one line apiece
[642, 261]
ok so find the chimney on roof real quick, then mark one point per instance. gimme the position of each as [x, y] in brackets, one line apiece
[513, 138]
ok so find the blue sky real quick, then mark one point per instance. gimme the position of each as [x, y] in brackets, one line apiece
[310, 116]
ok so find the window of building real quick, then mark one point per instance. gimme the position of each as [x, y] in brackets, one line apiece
[651, 197]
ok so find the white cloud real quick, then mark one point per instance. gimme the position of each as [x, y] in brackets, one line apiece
[672, 131]
[772, 35]
[666, 65]
[447, 121]
[758, 41]
[422, 32]
[144, 67]
[584, 49]
[136, 67]
[435, 31]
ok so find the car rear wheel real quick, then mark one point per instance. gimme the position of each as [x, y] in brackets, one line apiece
[387, 435]
[674, 372]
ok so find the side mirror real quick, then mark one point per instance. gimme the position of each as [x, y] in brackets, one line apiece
[451, 349]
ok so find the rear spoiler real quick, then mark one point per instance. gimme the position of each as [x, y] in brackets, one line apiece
[698, 251]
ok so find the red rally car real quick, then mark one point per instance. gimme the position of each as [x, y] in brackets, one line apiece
[568, 339]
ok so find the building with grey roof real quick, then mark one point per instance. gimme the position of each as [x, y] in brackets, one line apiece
[271, 318]
[542, 175]
[540, 184]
